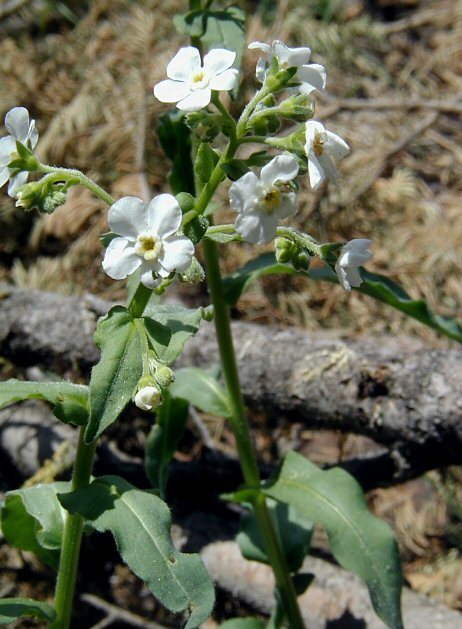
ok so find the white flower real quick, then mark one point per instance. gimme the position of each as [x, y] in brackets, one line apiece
[263, 202]
[21, 130]
[321, 146]
[311, 76]
[190, 83]
[148, 398]
[146, 240]
[352, 255]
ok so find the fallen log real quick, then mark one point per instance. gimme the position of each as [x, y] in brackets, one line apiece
[401, 394]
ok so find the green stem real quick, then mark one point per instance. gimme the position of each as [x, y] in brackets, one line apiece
[73, 174]
[72, 538]
[139, 301]
[242, 435]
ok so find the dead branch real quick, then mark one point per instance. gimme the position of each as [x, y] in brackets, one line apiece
[404, 396]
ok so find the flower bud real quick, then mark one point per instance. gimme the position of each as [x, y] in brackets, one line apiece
[148, 398]
[164, 376]
[283, 249]
[299, 107]
[294, 142]
[205, 126]
[265, 125]
[194, 274]
[41, 196]
[185, 201]
[301, 261]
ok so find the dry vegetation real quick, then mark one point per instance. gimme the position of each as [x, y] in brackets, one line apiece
[394, 93]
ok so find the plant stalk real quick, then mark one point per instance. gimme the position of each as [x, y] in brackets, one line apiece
[72, 538]
[242, 434]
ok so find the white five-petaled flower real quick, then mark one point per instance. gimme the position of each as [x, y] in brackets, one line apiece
[146, 240]
[22, 130]
[263, 201]
[321, 146]
[352, 255]
[311, 76]
[148, 398]
[190, 83]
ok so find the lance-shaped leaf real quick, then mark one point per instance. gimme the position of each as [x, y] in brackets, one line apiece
[163, 439]
[243, 623]
[182, 322]
[33, 519]
[374, 285]
[13, 608]
[201, 388]
[114, 378]
[69, 400]
[359, 541]
[140, 523]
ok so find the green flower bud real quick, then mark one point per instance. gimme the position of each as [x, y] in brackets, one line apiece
[294, 142]
[265, 125]
[41, 195]
[301, 261]
[299, 107]
[206, 126]
[284, 249]
[164, 376]
[194, 274]
[186, 201]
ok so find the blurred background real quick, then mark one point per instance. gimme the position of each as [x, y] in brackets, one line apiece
[86, 69]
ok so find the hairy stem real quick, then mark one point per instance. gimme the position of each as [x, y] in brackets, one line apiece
[66, 174]
[72, 538]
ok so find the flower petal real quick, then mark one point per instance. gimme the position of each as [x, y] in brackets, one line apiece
[33, 134]
[120, 259]
[225, 81]
[163, 215]
[17, 123]
[147, 278]
[328, 166]
[290, 57]
[281, 169]
[196, 100]
[287, 207]
[4, 176]
[178, 253]
[266, 48]
[315, 172]
[312, 127]
[169, 91]
[186, 61]
[337, 147]
[244, 193]
[218, 60]
[127, 217]
[260, 70]
[7, 148]
[16, 182]
[313, 75]
[342, 277]
[256, 228]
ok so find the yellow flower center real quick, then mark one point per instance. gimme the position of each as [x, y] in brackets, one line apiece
[318, 144]
[199, 80]
[148, 246]
[272, 199]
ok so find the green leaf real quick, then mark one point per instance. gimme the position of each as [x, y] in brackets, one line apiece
[140, 523]
[13, 608]
[115, 377]
[159, 335]
[265, 264]
[235, 168]
[223, 237]
[69, 400]
[33, 519]
[201, 388]
[359, 541]
[294, 533]
[391, 293]
[374, 285]
[175, 139]
[243, 623]
[260, 158]
[216, 29]
[206, 161]
[163, 439]
[195, 229]
[183, 323]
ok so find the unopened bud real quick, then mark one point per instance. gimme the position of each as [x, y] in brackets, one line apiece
[301, 261]
[148, 398]
[164, 376]
[205, 126]
[194, 274]
[283, 249]
[299, 107]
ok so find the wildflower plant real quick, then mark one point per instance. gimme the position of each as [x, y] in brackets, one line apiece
[155, 244]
